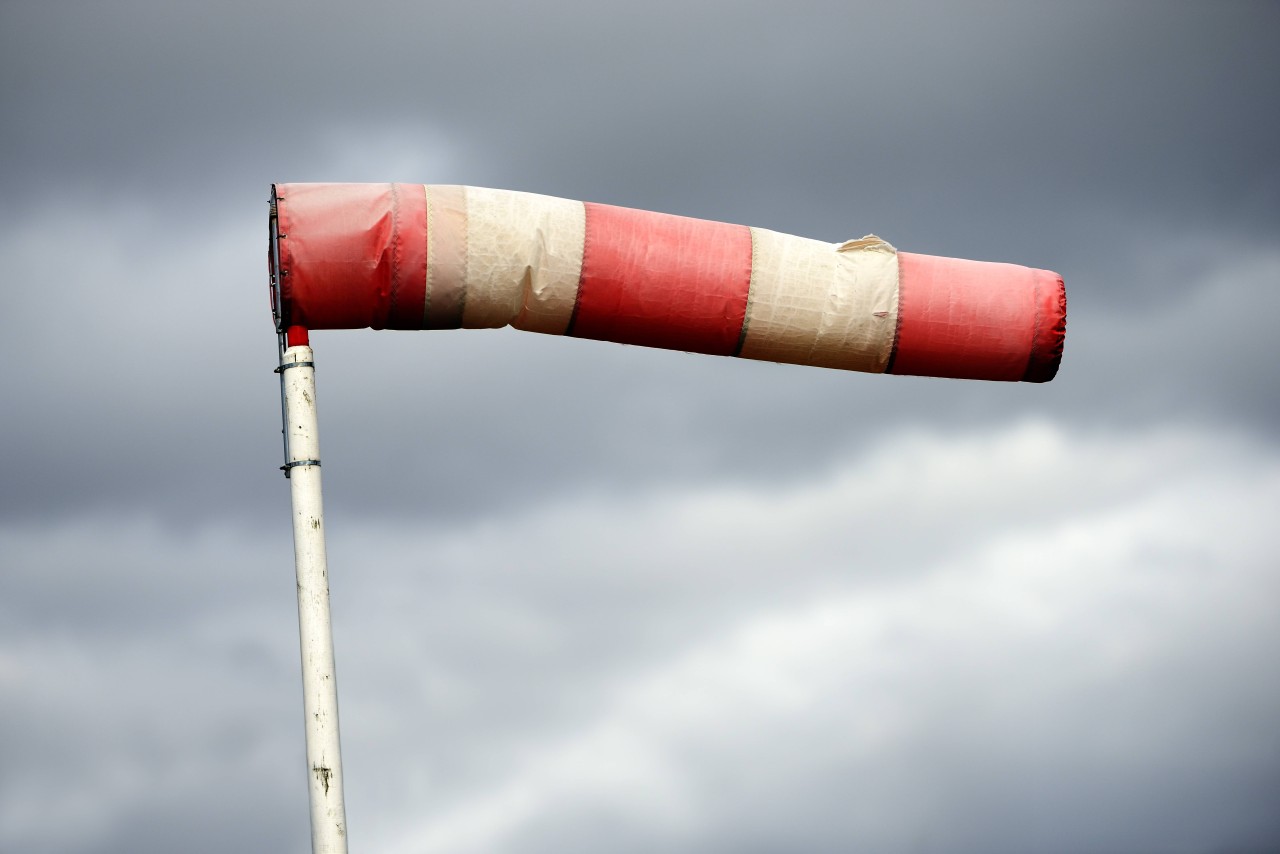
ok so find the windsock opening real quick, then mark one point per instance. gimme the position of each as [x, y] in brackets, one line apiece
[412, 256]
[273, 262]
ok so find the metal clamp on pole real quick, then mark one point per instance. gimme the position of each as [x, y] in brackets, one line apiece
[284, 428]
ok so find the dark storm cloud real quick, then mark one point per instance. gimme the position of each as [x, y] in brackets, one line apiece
[928, 119]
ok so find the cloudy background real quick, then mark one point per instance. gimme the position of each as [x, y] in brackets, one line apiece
[599, 598]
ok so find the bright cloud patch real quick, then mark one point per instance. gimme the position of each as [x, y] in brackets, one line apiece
[1074, 620]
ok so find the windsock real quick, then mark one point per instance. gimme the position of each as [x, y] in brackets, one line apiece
[413, 256]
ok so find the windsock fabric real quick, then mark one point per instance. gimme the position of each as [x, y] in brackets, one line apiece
[409, 256]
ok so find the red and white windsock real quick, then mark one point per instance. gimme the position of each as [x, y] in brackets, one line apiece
[409, 256]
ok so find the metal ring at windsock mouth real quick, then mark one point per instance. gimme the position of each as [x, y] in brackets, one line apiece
[273, 264]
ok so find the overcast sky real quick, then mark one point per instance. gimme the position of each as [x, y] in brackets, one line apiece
[590, 597]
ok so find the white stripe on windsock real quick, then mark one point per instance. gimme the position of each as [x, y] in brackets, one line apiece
[814, 303]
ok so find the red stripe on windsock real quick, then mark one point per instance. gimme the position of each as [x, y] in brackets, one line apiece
[977, 320]
[353, 255]
[408, 250]
[659, 280]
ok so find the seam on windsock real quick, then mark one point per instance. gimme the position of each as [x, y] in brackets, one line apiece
[466, 256]
[395, 254]
[582, 270]
[582, 265]
[751, 286]
[430, 274]
[897, 323]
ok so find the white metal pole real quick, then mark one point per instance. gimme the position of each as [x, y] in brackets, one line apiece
[319, 681]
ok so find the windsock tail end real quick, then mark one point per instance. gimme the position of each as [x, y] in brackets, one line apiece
[978, 320]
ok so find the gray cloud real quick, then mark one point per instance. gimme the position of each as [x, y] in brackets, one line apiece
[665, 668]
[861, 114]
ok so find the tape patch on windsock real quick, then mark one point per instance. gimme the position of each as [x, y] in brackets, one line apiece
[412, 256]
